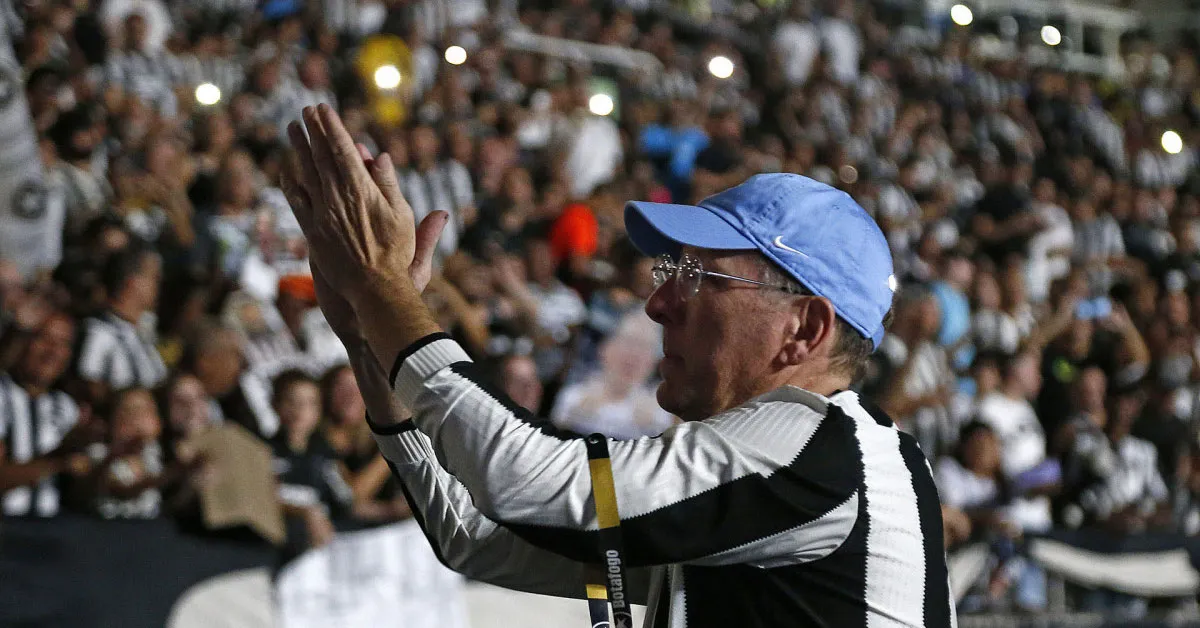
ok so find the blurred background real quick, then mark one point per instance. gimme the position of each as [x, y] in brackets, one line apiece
[183, 445]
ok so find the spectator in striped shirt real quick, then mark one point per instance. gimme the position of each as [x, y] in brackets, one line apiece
[918, 387]
[41, 431]
[118, 348]
[216, 358]
[85, 190]
[436, 184]
[139, 71]
[128, 474]
[309, 87]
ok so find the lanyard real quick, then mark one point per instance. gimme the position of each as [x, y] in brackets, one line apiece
[608, 586]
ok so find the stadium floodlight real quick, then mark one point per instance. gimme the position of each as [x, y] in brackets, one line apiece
[1172, 142]
[1051, 36]
[720, 67]
[387, 77]
[208, 94]
[600, 104]
[961, 15]
[456, 55]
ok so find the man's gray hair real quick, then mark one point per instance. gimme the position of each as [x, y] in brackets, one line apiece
[851, 349]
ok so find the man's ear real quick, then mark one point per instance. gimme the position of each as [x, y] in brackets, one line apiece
[809, 331]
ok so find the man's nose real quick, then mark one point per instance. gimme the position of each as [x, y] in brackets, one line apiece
[663, 305]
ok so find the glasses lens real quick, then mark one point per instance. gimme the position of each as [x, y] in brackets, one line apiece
[662, 270]
[689, 275]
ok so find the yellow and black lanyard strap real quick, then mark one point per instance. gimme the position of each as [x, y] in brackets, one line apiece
[610, 585]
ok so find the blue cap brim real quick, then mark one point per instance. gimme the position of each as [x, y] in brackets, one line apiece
[657, 228]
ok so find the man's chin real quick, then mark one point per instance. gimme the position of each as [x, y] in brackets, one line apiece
[668, 399]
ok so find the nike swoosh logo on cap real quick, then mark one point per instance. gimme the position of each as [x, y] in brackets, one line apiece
[779, 243]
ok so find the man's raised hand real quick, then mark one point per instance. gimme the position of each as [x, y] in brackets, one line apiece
[357, 226]
[361, 232]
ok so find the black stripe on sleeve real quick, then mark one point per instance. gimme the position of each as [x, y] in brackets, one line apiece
[406, 425]
[937, 588]
[411, 349]
[821, 477]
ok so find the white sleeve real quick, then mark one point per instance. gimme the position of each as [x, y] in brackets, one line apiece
[471, 544]
[672, 490]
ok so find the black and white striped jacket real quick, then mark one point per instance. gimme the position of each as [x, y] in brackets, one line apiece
[116, 354]
[145, 75]
[790, 510]
[447, 187]
[31, 427]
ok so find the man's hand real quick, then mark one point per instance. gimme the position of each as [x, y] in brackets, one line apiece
[360, 229]
[334, 305]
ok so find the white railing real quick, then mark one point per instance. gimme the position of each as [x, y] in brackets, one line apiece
[1073, 15]
[579, 51]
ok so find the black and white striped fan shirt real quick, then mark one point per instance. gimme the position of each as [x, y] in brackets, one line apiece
[145, 75]
[31, 427]
[790, 510]
[116, 354]
[447, 187]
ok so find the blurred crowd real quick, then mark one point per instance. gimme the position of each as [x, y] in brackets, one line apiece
[1044, 349]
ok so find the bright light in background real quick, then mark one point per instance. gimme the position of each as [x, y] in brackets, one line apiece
[961, 14]
[1051, 36]
[848, 174]
[208, 94]
[456, 55]
[600, 104]
[720, 67]
[387, 77]
[1171, 142]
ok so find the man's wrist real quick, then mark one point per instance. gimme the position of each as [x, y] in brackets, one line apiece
[393, 316]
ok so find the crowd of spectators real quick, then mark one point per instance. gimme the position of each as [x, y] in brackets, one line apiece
[1044, 348]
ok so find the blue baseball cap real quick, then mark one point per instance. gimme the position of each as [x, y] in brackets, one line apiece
[817, 234]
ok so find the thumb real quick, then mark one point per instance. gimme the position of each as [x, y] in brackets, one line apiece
[428, 233]
[383, 172]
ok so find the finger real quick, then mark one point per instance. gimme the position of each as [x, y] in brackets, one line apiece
[428, 233]
[309, 178]
[295, 193]
[323, 161]
[345, 154]
[383, 172]
[365, 153]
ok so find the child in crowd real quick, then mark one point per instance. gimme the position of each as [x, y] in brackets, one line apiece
[311, 489]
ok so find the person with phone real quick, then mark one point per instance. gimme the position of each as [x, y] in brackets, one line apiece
[1100, 334]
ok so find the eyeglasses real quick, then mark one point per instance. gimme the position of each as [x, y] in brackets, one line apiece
[688, 272]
